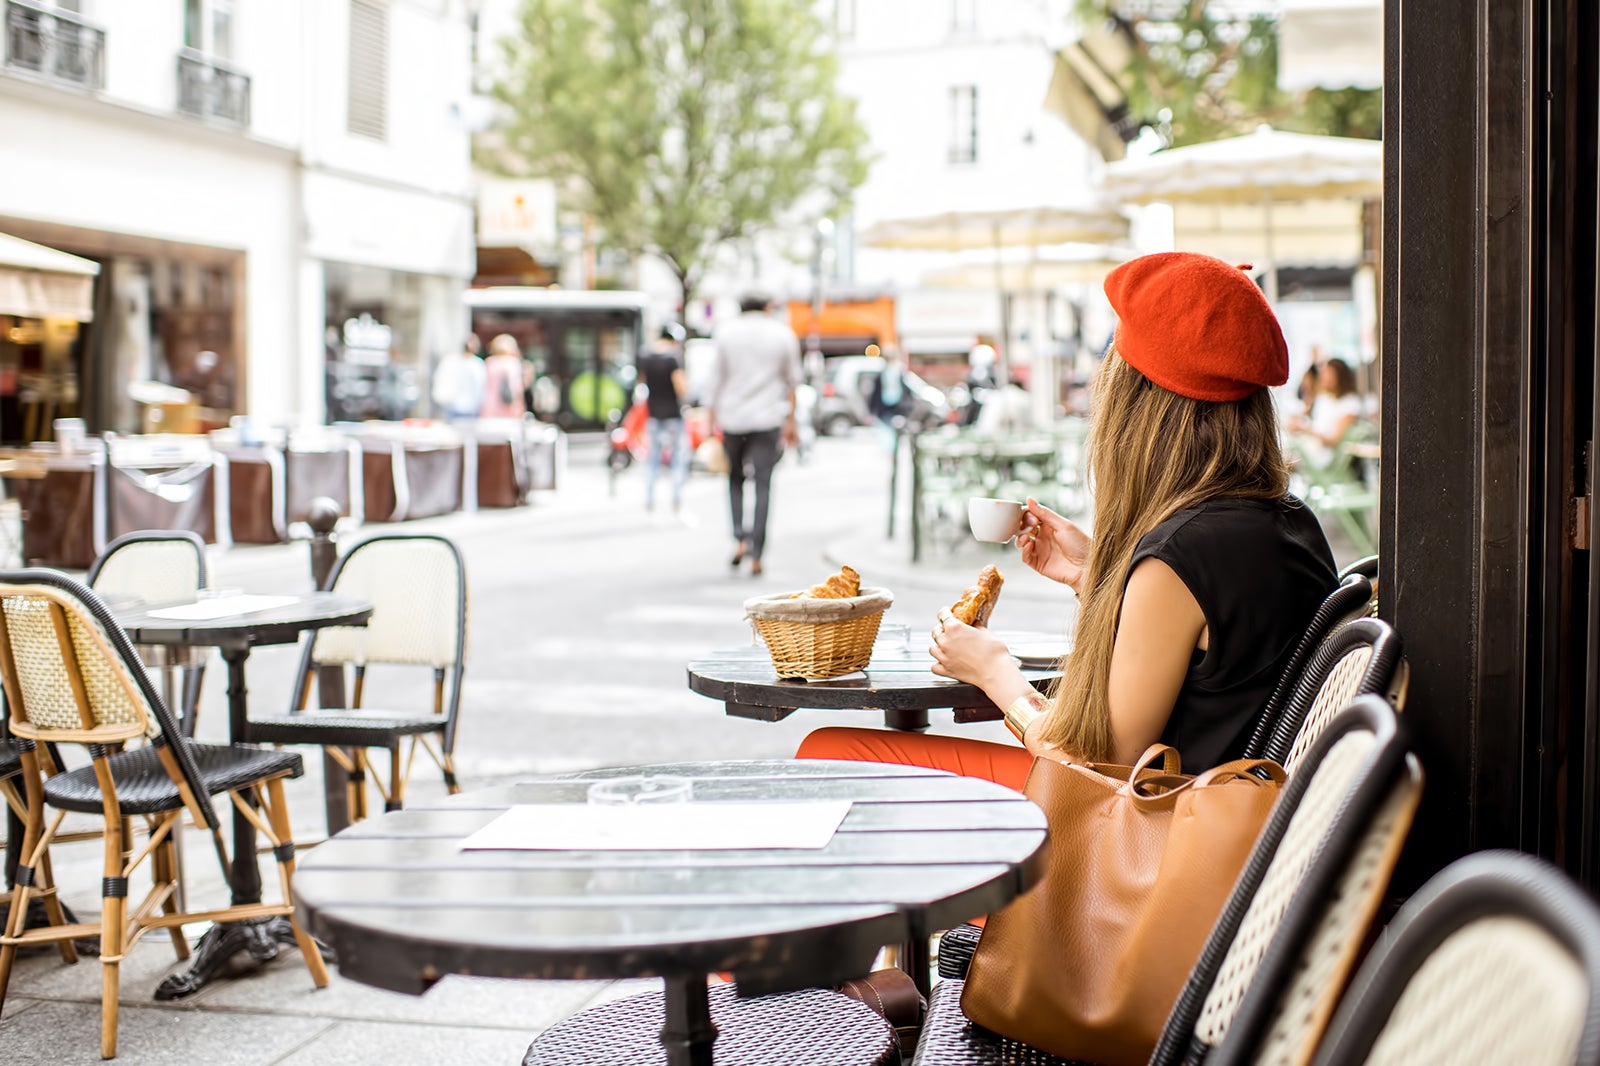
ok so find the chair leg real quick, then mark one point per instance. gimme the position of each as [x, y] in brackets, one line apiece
[397, 779]
[53, 911]
[113, 933]
[164, 868]
[358, 784]
[278, 814]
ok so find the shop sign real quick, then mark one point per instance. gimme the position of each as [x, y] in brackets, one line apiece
[366, 341]
[517, 213]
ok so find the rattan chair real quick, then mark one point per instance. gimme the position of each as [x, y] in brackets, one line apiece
[1320, 865]
[1367, 567]
[159, 567]
[72, 677]
[1359, 658]
[1496, 959]
[417, 584]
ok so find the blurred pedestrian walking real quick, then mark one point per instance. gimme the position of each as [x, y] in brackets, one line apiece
[752, 400]
[459, 382]
[502, 396]
[661, 368]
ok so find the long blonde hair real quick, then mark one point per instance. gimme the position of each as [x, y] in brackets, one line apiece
[1152, 453]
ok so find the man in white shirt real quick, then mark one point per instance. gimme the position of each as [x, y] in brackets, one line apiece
[752, 401]
[458, 382]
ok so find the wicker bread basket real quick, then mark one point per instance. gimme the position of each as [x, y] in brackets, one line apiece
[818, 638]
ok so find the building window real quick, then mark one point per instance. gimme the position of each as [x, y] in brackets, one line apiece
[369, 69]
[963, 16]
[208, 27]
[964, 124]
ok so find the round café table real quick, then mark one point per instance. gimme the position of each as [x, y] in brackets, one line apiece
[901, 684]
[402, 904]
[235, 634]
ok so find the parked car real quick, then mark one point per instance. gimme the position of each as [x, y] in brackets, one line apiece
[847, 387]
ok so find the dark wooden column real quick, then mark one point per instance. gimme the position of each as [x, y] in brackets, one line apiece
[1483, 239]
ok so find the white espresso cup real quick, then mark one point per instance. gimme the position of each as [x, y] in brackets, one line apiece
[995, 520]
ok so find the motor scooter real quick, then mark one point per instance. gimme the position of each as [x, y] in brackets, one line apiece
[629, 436]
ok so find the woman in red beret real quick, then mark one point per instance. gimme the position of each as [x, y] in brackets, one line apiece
[1202, 570]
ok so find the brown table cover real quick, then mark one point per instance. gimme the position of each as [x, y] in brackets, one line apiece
[310, 474]
[252, 505]
[162, 496]
[432, 478]
[57, 516]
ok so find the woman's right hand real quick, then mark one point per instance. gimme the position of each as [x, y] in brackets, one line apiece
[1055, 546]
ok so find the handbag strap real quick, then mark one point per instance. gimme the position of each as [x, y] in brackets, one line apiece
[1259, 771]
[1171, 761]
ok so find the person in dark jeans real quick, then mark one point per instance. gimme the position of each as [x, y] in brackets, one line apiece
[661, 368]
[752, 401]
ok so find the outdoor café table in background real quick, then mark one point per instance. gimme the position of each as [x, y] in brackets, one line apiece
[235, 625]
[402, 903]
[901, 684]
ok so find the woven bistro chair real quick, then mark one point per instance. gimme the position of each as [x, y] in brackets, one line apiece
[72, 677]
[1495, 959]
[1321, 863]
[417, 584]
[158, 568]
[1367, 567]
[1358, 658]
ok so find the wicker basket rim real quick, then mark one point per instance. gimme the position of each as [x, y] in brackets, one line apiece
[785, 607]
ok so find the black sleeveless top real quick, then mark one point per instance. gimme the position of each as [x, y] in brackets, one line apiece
[1258, 569]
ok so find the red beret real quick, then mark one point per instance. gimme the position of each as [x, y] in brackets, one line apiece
[1196, 326]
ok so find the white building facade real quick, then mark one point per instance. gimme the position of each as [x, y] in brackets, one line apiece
[278, 192]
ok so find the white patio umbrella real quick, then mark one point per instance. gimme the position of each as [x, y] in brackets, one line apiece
[999, 229]
[1260, 168]
[1031, 270]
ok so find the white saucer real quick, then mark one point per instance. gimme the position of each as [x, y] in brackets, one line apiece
[1043, 655]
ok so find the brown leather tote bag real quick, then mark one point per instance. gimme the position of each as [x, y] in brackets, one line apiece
[1088, 963]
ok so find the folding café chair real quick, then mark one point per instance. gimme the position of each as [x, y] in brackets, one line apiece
[1495, 959]
[71, 677]
[160, 567]
[417, 585]
[1316, 876]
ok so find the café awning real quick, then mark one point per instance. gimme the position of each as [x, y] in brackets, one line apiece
[40, 282]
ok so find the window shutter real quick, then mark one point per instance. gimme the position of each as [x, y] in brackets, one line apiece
[369, 69]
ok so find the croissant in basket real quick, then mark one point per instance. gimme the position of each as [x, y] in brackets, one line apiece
[977, 602]
[844, 584]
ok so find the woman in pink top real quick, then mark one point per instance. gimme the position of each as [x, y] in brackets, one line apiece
[502, 396]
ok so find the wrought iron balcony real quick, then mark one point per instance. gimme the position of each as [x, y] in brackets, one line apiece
[56, 45]
[210, 89]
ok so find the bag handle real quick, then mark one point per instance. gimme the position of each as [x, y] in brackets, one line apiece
[1171, 761]
[1258, 771]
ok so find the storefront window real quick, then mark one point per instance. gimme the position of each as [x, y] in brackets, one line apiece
[373, 343]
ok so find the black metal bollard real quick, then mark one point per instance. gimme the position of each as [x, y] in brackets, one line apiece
[322, 517]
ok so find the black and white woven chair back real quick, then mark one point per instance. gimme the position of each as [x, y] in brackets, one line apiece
[1496, 959]
[1313, 840]
[115, 686]
[1348, 601]
[1358, 658]
[158, 567]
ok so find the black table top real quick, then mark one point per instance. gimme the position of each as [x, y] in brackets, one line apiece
[892, 681]
[275, 625]
[402, 905]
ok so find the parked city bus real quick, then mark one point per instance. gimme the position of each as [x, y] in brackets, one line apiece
[581, 347]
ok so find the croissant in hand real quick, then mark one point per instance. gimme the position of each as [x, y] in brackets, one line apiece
[977, 602]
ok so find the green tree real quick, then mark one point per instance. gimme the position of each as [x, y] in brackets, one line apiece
[679, 124]
[1201, 71]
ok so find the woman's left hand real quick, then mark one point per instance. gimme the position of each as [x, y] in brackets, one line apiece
[968, 653]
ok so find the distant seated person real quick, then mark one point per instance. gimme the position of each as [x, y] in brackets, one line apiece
[1336, 407]
[1006, 409]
